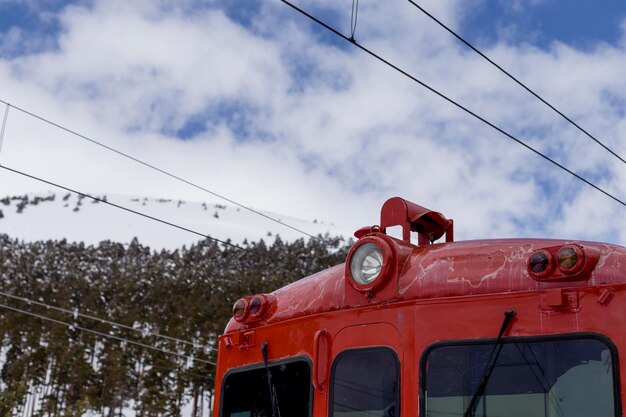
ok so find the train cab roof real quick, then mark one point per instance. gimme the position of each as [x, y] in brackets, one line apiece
[380, 269]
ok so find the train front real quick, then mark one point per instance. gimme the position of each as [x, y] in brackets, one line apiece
[500, 328]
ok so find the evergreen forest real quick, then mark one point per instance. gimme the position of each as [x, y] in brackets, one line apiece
[62, 363]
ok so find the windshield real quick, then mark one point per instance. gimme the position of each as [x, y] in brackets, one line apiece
[246, 392]
[365, 383]
[547, 378]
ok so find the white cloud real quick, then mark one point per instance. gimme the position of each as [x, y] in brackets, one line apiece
[333, 132]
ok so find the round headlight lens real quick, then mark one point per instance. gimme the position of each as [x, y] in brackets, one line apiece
[366, 263]
[568, 258]
[539, 262]
[257, 306]
[239, 309]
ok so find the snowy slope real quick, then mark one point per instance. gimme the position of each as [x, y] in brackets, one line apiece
[67, 216]
[57, 216]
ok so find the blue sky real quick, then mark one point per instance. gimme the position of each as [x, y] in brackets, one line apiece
[581, 23]
[299, 119]
[541, 23]
[576, 22]
[39, 23]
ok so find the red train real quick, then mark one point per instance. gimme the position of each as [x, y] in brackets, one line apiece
[497, 328]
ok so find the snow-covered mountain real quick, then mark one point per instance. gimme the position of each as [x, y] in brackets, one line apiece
[68, 216]
[44, 216]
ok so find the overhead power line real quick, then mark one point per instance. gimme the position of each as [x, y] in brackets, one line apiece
[100, 200]
[4, 125]
[112, 323]
[451, 101]
[181, 372]
[105, 335]
[505, 72]
[157, 169]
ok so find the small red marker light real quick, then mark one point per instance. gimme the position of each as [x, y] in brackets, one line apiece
[570, 259]
[540, 263]
[569, 262]
[240, 310]
[258, 306]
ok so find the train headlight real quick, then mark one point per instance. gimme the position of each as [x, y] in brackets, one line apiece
[258, 306]
[570, 259]
[241, 309]
[540, 263]
[253, 308]
[370, 263]
[560, 263]
[366, 263]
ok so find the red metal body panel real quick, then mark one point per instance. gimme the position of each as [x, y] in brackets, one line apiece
[441, 292]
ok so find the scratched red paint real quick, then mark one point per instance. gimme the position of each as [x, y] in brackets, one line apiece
[446, 270]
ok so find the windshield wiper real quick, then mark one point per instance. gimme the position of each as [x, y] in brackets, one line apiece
[490, 365]
[273, 397]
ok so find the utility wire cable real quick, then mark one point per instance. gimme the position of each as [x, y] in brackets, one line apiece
[109, 336]
[451, 101]
[179, 371]
[160, 170]
[100, 200]
[4, 125]
[112, 323]
[505, 72]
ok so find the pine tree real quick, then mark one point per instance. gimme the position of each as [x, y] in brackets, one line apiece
[186, 294]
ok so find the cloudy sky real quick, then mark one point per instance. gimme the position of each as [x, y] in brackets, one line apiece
[253, 101]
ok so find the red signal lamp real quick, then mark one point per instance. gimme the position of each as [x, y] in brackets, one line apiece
[540, 263]
[241, 309]
[570, 259]
[252, 308]
[258, 306]
[562, 263]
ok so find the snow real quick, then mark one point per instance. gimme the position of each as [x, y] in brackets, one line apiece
[45, 216]
[81, 219]
[62, 215]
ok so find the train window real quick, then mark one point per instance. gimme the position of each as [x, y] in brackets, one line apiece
[246, 393]
[365, 383]
[572, 377]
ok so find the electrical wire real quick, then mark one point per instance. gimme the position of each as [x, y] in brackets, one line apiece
[109, 336]
[184, 372]
[505, 72]
[451, 101]
[121, 207]
[112, 323]
[160, 170]
[4, 125]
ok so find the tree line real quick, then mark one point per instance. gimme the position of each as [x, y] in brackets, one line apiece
[49, 369]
